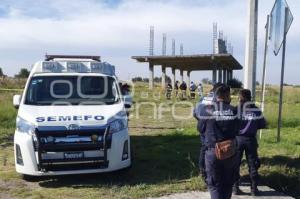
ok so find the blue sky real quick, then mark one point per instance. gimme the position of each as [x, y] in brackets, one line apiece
[118, 29]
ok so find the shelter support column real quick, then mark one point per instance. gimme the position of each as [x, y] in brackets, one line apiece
[231, 74]
[163, 77]
[229, 77]
[188, 73]
[227, 74]
[173, 77]
[214, 76]
[151, 75]
[181, 75]
[220, 75]
[224, 76]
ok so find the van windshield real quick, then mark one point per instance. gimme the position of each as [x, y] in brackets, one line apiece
[72, 90]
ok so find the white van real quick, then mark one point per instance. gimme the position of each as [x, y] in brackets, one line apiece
[71, 119]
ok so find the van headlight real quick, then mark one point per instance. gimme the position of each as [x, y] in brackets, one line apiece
[118, 125]
[23, 126]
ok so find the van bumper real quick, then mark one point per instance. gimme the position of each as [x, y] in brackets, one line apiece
[30, 164]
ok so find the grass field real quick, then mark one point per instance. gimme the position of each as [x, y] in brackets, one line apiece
[165, 151]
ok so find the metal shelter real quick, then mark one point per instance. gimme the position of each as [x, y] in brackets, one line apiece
[221, 65]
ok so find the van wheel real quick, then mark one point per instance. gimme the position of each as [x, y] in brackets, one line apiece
[29, 178]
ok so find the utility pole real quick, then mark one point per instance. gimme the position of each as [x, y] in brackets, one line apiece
[251, 47]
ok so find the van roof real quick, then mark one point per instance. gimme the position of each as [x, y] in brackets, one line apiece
[91, 57]
[75, 64]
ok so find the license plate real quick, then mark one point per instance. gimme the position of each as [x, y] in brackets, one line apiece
[73, 155]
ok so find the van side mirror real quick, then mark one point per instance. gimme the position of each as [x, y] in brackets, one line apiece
[16, 101]
[127, 101]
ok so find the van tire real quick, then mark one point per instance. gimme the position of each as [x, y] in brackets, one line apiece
[29, 178]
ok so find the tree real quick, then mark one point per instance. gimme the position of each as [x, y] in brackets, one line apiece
[24, 73]
[206, 81]
[157, 79]
[235, 83]
[1, 73]
[137, 79]
[145, 79]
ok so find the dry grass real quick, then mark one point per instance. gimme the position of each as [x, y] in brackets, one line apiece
[165, 155]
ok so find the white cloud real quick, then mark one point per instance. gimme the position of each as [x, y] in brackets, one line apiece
[121, 30]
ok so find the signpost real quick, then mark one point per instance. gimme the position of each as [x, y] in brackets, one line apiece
[263, 83]
[281, 20]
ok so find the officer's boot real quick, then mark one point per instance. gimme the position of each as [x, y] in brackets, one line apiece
[254, 190]
[235, 189]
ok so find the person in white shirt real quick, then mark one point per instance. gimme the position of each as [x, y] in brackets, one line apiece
[200, 90]
[193, 88]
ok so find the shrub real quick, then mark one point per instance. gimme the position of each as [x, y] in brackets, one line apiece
[24, 73]
[206, 81]
[235, 83]
[1, 73]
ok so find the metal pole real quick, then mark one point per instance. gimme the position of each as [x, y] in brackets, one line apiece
[263, 83]
[282, 77]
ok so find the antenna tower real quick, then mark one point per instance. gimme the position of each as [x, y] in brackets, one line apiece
[215, 38]
[164, 45]
[173, 47]
[181, 49]
[151, 46]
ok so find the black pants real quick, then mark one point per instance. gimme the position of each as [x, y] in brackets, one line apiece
[193, 94]
[221, 174]
[202, 156]
[169, 94]
[248, 145]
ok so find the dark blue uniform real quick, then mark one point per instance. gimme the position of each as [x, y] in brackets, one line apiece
[202, 103]
[219, 123]
[199, 106]
[251, 120]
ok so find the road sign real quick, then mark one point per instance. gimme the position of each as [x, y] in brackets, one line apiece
[279, 27]
[281, 20]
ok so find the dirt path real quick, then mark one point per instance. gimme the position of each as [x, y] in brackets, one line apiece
[266, 193]
[6, 186]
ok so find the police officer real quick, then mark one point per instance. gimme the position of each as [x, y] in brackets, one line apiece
[200, 90]
[251, 120]
[169, 90]
[208, 100]
[176, 88]
[183, 88]
[193, 88]
[219, 123]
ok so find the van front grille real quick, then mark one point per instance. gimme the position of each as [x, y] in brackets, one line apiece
[72, 149]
